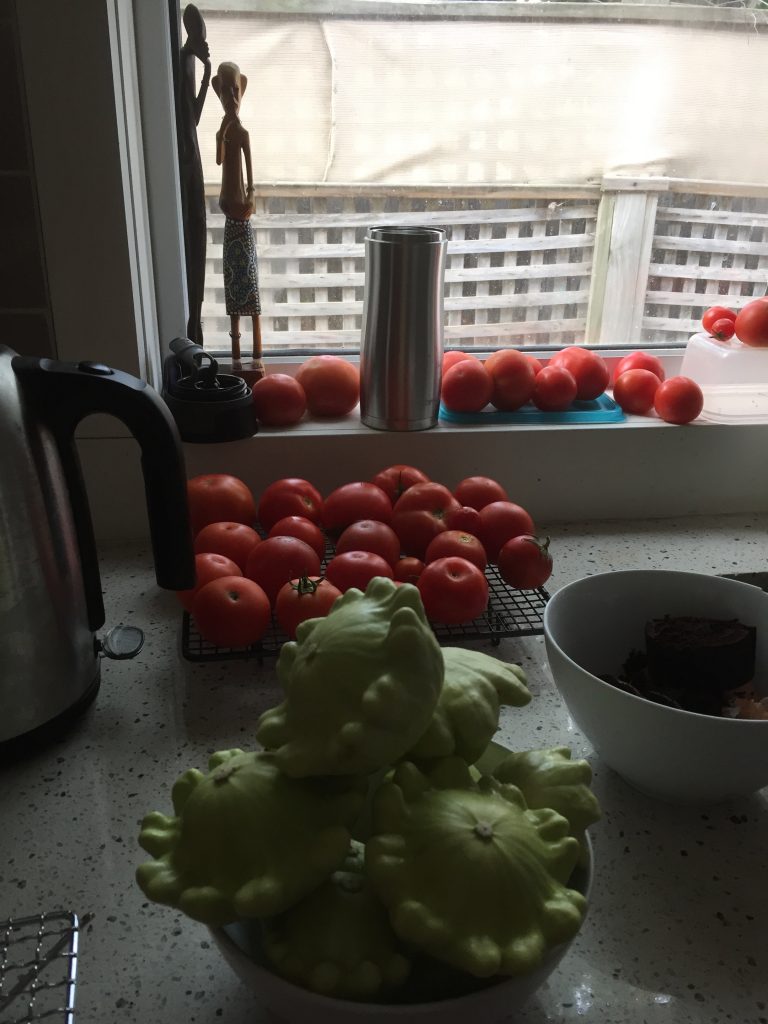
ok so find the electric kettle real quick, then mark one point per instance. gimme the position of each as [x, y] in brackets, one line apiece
[50, 591]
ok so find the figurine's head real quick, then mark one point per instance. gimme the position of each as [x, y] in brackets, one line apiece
[195, 28]
[229, 85]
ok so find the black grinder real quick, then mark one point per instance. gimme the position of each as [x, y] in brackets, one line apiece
[208, 406]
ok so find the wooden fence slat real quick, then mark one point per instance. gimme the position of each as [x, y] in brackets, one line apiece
[709, 216]
[706, 273]
[512, 333]
[295, 251]
[529, 300]
[719, 245]
[357, 279]
[438, 218]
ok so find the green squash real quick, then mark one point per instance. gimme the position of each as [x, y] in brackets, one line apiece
[338, 940]
[245, 840]
[360, 685]
[549, 778]
[469, 874]
[475, 687]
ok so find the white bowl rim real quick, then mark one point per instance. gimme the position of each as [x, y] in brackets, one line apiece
[398, 1009]
[740, 722]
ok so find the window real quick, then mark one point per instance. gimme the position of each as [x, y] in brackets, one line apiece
[592, 163]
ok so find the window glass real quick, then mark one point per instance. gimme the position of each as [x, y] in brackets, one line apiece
[599, 167]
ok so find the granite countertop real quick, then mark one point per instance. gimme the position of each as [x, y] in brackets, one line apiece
[676, 931]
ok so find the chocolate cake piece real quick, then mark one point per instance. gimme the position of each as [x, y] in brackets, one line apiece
[697, 660]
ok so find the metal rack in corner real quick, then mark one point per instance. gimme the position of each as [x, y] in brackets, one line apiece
[38, 967]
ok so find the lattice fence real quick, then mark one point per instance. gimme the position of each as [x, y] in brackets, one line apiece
[707, 250]
[518, 270]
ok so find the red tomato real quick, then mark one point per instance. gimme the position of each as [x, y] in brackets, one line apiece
[394, 480]
[219, 498]
[304, 529]
[501, 521]
[369, 535]
[453, 590]
[358, 500]
[290, 496]
[678, 400]
[464, 518]
[635, 391]
[415, 529]
[752, 323]
[331, 384]
[231, 612]
[356, 569]
[430, 497]
[420, 514]
[554, 390]
[452, 356]
[408, 569]
[513, 378]
[466, 387]
[279, 559]
[479, 491]
[537, 365]
[723, 329]
[639, 361]
[590, 372]
[279, 400]
[525, 562]
[716, 313]
[309, 597]
[208, 566]
[234, 540]
[462, 545]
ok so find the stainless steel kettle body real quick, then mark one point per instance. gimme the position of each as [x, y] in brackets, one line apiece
[50, 591]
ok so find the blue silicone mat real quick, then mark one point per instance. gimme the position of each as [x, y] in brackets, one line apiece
[598, 410]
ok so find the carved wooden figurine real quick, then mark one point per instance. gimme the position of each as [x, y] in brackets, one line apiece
[192, 186]
[241, 279]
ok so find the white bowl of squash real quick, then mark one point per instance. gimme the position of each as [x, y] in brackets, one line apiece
[380, 857]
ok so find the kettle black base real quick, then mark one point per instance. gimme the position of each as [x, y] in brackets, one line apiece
[32, 742]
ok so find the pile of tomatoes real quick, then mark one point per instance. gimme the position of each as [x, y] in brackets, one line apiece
[640, 385]
[400, 524]
[324, 386]
[509, 379]
[749, 325]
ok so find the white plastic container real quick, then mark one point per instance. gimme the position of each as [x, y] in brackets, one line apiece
[733, 377]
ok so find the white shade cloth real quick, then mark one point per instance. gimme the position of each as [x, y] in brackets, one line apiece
[493, 102]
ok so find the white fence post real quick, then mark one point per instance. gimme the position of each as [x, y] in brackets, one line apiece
[623, 243]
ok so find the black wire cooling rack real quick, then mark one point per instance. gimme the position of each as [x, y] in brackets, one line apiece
[509, 613]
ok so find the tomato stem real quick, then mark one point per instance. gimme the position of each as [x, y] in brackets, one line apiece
[542, 545]
[305, 585]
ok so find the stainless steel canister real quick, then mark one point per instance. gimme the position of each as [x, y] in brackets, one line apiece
[402, 338]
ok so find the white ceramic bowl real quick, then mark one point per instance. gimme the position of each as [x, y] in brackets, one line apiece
[286, 1002]
[590, 627]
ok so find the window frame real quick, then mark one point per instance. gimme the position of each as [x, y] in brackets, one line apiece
[674, 471]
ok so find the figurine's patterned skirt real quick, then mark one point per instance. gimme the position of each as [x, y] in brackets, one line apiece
[241, 270]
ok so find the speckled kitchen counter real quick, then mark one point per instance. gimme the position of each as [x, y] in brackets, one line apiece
[678, 926]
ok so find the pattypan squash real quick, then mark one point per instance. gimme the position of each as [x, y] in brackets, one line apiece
[475, 686]
[338, 940]
[470, 875]
[549, 778]
[246, 841]
[360, 685]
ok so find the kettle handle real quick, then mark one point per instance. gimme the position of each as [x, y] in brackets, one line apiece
[60, 395]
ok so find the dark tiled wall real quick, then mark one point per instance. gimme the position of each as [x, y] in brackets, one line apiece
[25, 316]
